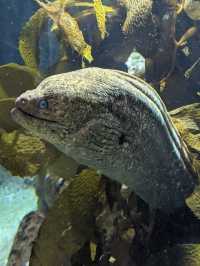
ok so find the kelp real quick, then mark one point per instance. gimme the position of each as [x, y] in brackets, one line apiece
[63, 21]
[192, 8]
[15, 79]
[178, 255]
[28, 40]
[193, 202]
[99, 9]
[6, 122]
[70, 223]
[187, 121]
[21, 153]
[100, 17]
[74, 36]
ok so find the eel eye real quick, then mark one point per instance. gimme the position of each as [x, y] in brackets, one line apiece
[43, 104]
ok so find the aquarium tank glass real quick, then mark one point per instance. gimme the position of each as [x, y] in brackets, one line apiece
[100, 133]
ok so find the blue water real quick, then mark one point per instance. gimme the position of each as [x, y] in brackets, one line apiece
[16, 200]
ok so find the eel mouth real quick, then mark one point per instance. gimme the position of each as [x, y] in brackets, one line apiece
[23, 113]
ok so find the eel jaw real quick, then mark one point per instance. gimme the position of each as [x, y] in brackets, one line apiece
[17, 113]
[33, 124]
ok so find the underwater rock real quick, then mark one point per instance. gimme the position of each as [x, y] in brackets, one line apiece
[70, 223]
[21, 153]
[99, 133]
[15, 79]
[179, 255]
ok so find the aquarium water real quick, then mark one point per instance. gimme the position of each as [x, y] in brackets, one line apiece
[17, 198]
[139, 126]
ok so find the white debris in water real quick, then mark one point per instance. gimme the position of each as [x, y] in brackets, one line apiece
[136, 64]
[17, 198]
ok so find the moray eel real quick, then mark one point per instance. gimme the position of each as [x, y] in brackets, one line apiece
[116, 123]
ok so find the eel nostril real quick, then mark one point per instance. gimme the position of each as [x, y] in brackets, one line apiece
[21, 102]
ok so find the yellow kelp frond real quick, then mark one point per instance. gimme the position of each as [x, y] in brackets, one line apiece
[15, 79]
[193, 202]
[87, 53]
[62, 2]
[74, 36]
[82, 4]
[93, 250]
[100, 17]
[53, 9]
[69, 27]
[91, 11]
[107, 9]
[22, 154]
[29, 38]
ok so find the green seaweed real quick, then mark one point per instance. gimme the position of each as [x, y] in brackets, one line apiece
[193, 202]
[28, 41]
[6, 122]
[21, 153]
[15, 79]
[179, 255]
[187, 121]
[70, 223]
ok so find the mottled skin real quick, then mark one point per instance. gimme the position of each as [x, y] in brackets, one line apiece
[116, 123]
[141, 26]
[150, 24]
[26, 235]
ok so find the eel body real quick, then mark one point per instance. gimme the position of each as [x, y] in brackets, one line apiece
[116, 123]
